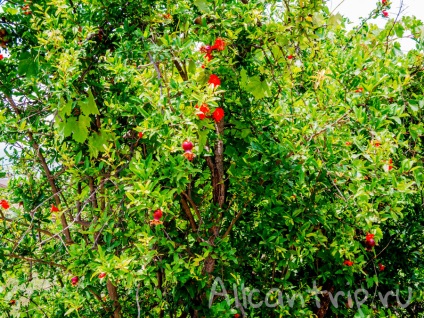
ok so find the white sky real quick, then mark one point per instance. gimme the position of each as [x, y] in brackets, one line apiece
[354, 9]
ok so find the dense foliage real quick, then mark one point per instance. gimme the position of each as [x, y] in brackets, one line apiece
[303, 166]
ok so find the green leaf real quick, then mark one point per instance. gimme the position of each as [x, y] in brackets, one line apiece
[202, 5]
[88, 106]
[65, 108]
[97, 141]
[71, 123]
[80, 133]
[259, 89]
[203, 137]
[77, 128]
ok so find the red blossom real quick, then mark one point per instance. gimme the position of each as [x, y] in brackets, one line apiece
[54, 208]
[369, 236]
[290, 57]
[218, 114]
[1, 57]
[102, 275]
[214, 80]
[390, 166]
[4, 204]
[202, 111]
[385, 13]
[208, 56]
[157, 215]
[219, 45]
[348, 263]
[189, 155]
[140, 135]
[359, 90]
[348, 143]
[381, 267]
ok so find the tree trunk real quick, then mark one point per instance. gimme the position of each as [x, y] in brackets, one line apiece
[113, 294]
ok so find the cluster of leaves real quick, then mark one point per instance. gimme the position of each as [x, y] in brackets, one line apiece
[320, 144]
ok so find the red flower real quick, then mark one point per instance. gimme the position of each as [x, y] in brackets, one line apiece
[189, 155]
[359, 90]
[218, 114]
[348, 143]
[202, 111]
[140, 135]
[4, 204]
[102, 275]
[369, 236]
[290, 57]
[236, 315]
[384, 2]
[208, 56]
[381, 267]
[1, 57]
[348, 263]
[219, 45]
[390, 167]
[377, 143]
[385, 13]
[54, 208]
[203, 66]
[157, 215]
[214, 80]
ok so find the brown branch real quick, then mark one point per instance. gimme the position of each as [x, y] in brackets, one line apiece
[47, 171]
[187, 211]
[180, 70]
[393, 26]
[113, 294]
[36, 260]
[232, 224]
[193, 205]
[93, 191]
[218, 176]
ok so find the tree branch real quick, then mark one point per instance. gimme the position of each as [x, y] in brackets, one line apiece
[47, 172]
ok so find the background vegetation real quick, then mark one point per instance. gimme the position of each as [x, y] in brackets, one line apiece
[320, 144]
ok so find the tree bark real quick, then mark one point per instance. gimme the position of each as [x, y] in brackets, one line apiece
[113, 294]
[325, 300]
